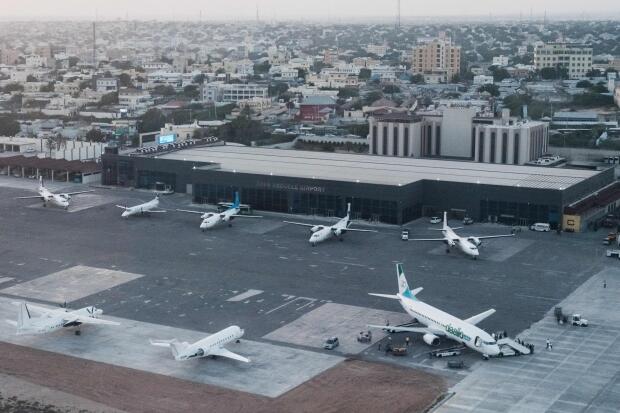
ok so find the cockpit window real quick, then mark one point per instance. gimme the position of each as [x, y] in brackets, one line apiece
[490, 343]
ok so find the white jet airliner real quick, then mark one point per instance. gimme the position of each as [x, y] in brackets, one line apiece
[55, 319]
[210, 346]
[468, 245]
[142, 209]
[212, 219]
[439, 323]
[60, 200]
[322, 233]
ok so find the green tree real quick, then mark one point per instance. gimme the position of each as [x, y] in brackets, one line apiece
[262, 68]
[499, 73]
[391, 89]
[348, 92]
[372, 97]
[277, 88]
[13, 87]
[85, 84]
[153, 120]
[95, 135]
[125, 80]
[418, 79]
[364, 74]
[302, 73]
[598, 88]
[200, 79]
[9, 127]
[490, 88]
[191, 91]
[31, 78]
[164, 90]
[584, 84]
[109, 99]
[47, 88]
[73, 61]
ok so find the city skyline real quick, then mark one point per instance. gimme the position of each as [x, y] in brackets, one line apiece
[268, 10]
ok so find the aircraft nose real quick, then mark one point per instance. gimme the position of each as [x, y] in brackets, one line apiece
[493, 350]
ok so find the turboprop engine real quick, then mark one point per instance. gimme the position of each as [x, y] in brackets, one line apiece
[431, 339]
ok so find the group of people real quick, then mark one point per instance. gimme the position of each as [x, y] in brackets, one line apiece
[524, 344]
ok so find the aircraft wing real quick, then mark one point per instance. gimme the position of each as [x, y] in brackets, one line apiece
[479, 317]
[44, 310]
[356, 230]
[79, 192]
[398, 329]
[301, 223]
[122, 207]
[92, 320]
[30, 197]
[222, 352]
[191, 212]
[427, 239]
[493, 236]
[162, 343]
[246, 216]
[156, 210]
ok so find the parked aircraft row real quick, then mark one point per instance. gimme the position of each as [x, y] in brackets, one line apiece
[435, 324]
[49, 320]
[469, 245]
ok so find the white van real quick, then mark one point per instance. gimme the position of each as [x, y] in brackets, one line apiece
[539, 226]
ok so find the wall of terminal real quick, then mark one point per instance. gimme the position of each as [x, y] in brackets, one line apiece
[384, 203]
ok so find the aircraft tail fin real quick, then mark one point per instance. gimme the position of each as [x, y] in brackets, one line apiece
[237, 201]
[445, 220]
[41, 185]
[23, 317]
[403, 286]
[348, 210]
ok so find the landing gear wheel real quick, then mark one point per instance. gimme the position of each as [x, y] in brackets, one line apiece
[44, 205]
[447, 250]
[229, 225]
[341, 239]
[78, 332]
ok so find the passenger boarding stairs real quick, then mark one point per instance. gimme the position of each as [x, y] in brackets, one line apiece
[508, 342]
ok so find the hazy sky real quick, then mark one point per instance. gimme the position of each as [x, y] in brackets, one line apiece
[334, 10]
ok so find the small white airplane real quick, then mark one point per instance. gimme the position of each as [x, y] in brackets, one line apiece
[60, 200]
[210, 346]
[322, 233]
[212, 219]
[143, 209]
[55, 319]
[439, 323]
[468, 245]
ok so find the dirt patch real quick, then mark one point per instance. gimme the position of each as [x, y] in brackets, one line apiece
[347, 387]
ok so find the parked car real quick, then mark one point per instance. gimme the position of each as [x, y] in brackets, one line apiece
[541, 227]
[467, 221]
[435, 220]
[331, 343]
[404, 235]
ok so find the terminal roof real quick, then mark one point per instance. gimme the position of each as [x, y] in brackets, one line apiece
[382, 170]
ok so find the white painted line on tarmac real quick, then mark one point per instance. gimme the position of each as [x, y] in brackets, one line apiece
[245, 295]
[5, 279]
[348, 263]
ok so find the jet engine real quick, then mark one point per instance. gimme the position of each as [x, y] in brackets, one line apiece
[316, 228]
[431, 339]
[450, 243]
[339, 232]
[475, 240]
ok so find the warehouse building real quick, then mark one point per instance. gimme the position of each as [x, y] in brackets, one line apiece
[391, 190]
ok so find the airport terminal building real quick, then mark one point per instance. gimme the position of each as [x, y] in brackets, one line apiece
[393, 190]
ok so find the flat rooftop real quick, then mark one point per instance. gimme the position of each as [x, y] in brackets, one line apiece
[382, 170]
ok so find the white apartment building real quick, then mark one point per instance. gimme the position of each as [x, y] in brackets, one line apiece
[106, 84]
[384, 73]
[135, 100]
[36, 61]
[235, 92]
[173, 79]
[500, 60]
[576, 58]
[377, 49]
[483, 80]
[157, 67]
[180, 132]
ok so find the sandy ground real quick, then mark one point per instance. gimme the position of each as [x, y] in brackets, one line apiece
[71, 384]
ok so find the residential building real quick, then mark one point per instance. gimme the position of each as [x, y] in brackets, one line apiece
[377, 49]
[135, 100]
[576, 58]
[235, 92]
[436, 55]
[483, 80]
[316, 108]
[180, 132]
[617, 95]
[106, 84]
[9, 56]
[500, 60]
[330, 56]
